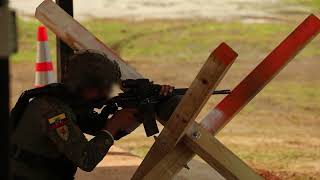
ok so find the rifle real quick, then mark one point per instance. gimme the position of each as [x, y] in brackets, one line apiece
[144, 95]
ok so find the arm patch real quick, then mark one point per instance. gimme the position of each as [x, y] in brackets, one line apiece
[59, 124]
[57, 121]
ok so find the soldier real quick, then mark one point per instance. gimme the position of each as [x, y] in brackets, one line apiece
[48, 140]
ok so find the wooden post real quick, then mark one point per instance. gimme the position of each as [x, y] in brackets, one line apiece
[63, 50]
[246, 90]
[5, 89]
[4, 113]
[192, 102]
[76, 36]
[202, 143]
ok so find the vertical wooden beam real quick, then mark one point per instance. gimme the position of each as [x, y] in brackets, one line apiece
[248, 88]
[4, 90]
[192, 102]
[4, 113]
[76, 36]
[63, 50]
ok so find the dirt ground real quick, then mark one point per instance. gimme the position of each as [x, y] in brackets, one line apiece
[120, 165]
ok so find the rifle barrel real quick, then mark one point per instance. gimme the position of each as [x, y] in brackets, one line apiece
[182, 91]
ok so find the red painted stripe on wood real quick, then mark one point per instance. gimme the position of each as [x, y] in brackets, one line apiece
[225, 54]
[44, 66]
[267, 69]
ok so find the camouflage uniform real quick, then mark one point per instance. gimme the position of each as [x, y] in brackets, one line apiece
[49, 142]
[49, 130]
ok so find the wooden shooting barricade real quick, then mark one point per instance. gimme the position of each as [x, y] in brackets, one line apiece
[182, 137]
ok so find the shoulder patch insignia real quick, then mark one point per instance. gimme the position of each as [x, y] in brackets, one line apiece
[57, 121]
[59, 124]
[63, 132]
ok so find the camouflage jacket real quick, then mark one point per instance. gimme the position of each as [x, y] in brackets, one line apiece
[50, 129]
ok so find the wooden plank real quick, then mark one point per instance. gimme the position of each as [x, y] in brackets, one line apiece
[5, 91]
[4, 112]
[207, 147]
[255, 82]
[217, 155]
[76, 36]
[199, 92]
[262, 75]
[63, 50]
[171, 163]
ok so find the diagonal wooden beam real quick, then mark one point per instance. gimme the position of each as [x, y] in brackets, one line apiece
[202, 143]
[199, 141]
[246, 90]
[192, 102]
[199, 92]
[76, 36]
[262, 75]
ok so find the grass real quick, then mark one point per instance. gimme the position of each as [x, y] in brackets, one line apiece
[314, 4]
[278, 130]
[27, 39]
[169, 40]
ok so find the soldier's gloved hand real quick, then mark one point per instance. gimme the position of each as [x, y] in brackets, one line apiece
[166, 90]
[122, 122]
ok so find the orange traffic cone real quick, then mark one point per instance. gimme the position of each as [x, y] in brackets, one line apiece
[44, 67]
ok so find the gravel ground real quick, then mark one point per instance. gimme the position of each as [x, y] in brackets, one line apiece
[244, 10]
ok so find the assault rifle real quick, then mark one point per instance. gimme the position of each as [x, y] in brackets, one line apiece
[143, 94]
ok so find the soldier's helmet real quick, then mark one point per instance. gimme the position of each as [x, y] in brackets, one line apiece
[90, 68]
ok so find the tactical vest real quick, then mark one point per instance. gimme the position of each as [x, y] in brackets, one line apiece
[56, 90]
[67, 168]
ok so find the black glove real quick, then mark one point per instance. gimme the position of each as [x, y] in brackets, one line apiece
[108, 110]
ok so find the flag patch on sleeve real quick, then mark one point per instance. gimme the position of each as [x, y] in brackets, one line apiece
[57, 121]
